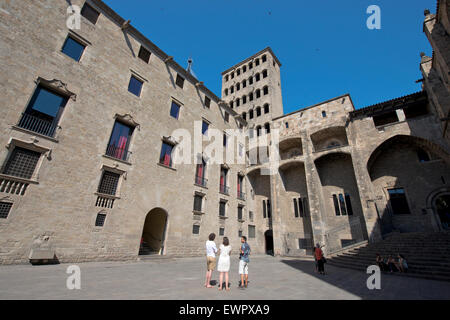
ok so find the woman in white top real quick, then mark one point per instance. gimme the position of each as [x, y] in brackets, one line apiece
[224, 262]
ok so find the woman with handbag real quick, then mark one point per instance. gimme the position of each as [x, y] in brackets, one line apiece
[318, 254]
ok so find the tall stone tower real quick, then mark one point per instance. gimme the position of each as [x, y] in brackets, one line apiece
[253, 88]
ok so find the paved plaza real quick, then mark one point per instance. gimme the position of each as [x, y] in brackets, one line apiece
[170, 278]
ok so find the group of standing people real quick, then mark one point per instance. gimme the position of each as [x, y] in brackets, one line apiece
[391, 265]
[224, 263]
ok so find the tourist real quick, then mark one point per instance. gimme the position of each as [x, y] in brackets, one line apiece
[211, 251]
[224, 263]
[243, 263]
[380, 262]
[402, 264]
[318, 254]
[391, 264]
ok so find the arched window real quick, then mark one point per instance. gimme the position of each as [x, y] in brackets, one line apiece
[244, 116]
[264, 58]
[244, 68]
[226, 78]
[258, 130]
[258, 94]
[226, 92]
[244, 83]
[258, 111]
[423, 155]
[267, 127]
[232, 75]
[257, 62]
[266, 108]
[238, 86]
[266, 90]
[250, 96]
[257, 77]
[250, 66]
[238, 102]
[250, 80]
[264, 74]
[238, 71]
[231, 89]
[244, 99]
[231, 104]
[250, 114]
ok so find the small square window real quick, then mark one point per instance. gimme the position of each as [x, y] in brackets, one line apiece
[72, 48]
[175, 110]
[90, 13]
[207, 102]
[180, 81]
[221, 232]
[135, 86]
[144, 54]
[195, 229]
[5, 208]
[100, 221]
[324, 114]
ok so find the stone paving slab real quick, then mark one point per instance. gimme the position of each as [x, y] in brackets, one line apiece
[179, 279]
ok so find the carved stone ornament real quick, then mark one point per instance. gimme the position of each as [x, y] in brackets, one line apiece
[58, 86]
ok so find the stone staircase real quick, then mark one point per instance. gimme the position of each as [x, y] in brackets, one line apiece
[427, 254]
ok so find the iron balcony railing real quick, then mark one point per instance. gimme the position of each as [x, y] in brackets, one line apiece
[241, 195]
[118, 153]
[201, 181]
[38, 125]
[224, 189]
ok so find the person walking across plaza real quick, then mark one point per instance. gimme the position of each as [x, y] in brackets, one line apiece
[224, 263]
[211, 251]
[243, 262]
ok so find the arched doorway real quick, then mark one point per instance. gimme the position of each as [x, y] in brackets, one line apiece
[268, 235]
[442, 209]
[153, 234]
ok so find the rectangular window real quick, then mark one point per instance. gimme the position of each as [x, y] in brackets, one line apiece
[240, 216]
[109, 183]
[251, 232]
[240, 234]
[22, 163]
[222, 206]
[348, 203]
[195, 229]
[180, 81]
[336, 205]
[342, 203]
[205, 127]
[295, 208]
[264, 209]
[225, 140]
[207, 102]
[397, 199]
[269, 210]
[135, 86]
[43, 112]
[144, 54]
[90, 13]
[303, 244]
[5, 208]
[250, 216]
[221, 232]
[324, 114]
[165, 157]
[100, 221]
[301, 207]
[119, 141]
[73, 48]
[386, 118]
[175, 110]
[198, 199]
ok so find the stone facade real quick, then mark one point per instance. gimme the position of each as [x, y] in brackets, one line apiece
[326, 150]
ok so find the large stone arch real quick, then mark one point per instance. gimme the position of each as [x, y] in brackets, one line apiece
[290, 148]
[328, 138]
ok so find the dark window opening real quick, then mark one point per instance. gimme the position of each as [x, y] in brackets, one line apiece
[423, 156]
[264, 58]
[250, 80]
[251, 114]
[22, 163]
[175, 110]
[266, 108]
[384, 119]
[144, 54]
[296, 213]
[250, 66]
[264, 209]
[135, 86]
[240, 216]
[258, 112]
[258, 94]
[266, 90]
[244, 99]
[244, 116]
[342, 204]
[100, 220]
[166, 155]
[324, 114]
[221, 232]
[267, 127]
[257, 62]
[73, 48]
[398, 201]
[90, 13]
[416, 110]
[195, 229]
[264, 73]
[257, 77]
[198, 203]
[205, 127]
[222, 206]
[348, 203]
[108, 183]
[207, 102]
[244, 84]
[119, 141]
[5, 208]
[336, 205]
[250, 96]
[179, 81]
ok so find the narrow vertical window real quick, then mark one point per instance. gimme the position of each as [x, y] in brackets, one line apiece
[264, 209]
[205, 127]
[398, 202]
[180, 81]
[300, 207]
[119, 141]
[348, 204]
[100, 220]
[175, 110]
[198, 199]
[295, 208]
[135, 86]
[166, 155]
[342, 203]
[144, 54]
[336, 205]
[207, 102]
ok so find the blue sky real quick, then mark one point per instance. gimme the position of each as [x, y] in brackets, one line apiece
[324, 46]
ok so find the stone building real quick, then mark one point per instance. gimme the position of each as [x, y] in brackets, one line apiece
[95, 118]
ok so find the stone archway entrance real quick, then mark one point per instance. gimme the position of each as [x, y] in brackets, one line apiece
[442, 209]
[154, 231]
[268, 235]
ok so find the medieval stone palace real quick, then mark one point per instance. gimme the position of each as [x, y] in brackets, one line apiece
[88, 148]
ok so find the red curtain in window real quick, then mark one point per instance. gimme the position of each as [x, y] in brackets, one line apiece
[167, 159]
[222, 180]
[199, 173]
[239, 186]
[121, 147]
